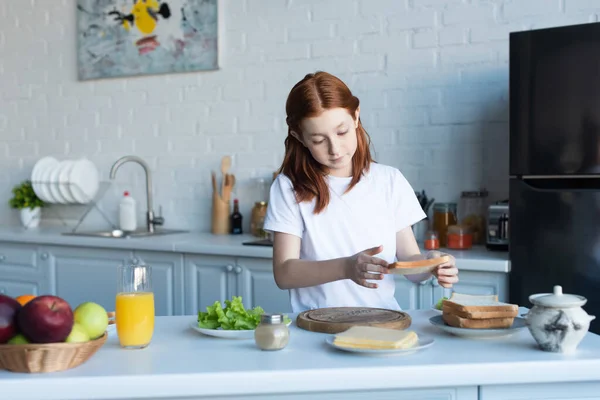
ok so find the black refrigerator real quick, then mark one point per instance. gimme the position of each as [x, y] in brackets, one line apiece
[554, 185]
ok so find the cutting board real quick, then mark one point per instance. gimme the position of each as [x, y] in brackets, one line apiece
[339, 319]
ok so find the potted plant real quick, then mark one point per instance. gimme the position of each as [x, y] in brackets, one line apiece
[30, 206]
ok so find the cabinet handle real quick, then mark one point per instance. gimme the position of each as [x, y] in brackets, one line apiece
[238, 270]
[425, 282]
[134, 261]
[435, 282]
[44, 256]
[2, 257]
[229, 268]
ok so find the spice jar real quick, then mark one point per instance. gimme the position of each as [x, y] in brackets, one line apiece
[472, 212]
[431, 241]
[459, 237]
[271, 333]
[257, 219]
[444, 215]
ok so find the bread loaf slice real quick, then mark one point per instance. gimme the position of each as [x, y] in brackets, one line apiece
[490, 323]
[450, 308]
[429, 262]
[478, 303]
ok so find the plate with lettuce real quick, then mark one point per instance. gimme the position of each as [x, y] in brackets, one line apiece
[438, 306]
[230, 320]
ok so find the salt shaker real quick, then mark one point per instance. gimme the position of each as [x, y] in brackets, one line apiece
[271, 333]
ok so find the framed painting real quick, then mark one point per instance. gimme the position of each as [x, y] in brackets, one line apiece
[141, 37]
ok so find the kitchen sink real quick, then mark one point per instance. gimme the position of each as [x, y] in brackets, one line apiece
[119, 234]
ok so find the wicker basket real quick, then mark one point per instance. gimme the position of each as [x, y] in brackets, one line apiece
[50, 357]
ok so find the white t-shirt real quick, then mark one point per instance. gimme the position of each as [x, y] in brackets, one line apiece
[379, 205]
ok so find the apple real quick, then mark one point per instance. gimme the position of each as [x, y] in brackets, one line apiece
[46, 319]
[9, 308]
[92, 317]
[19, 338]
[77, 335]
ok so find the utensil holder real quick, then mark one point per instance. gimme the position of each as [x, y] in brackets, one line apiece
[220, 215]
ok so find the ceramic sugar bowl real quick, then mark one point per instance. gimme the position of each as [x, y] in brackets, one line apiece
[557, 322]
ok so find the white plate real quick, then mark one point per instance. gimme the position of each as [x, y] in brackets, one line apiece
[84, 180]
[411, 271]
[224, 333]
[54, 185]
[41, 165]
[436, 310]
[424, 342]
[45, 184]
[63, 181]
[518, 324]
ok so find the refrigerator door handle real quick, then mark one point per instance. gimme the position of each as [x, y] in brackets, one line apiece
[573, 183]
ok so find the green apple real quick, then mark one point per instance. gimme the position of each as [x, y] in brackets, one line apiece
[19, 338]
[77, 335]
[92, 317]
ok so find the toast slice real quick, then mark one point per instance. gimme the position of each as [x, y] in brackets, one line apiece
[490, 323]
[465, 303]
[429, 262]
[449, 308]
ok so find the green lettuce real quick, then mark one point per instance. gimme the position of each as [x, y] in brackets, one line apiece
[439, 303]
[231, 317]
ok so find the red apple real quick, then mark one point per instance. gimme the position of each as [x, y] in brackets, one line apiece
[9, 308]
[46, 319]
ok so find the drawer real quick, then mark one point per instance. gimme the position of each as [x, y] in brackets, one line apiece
[18, 258]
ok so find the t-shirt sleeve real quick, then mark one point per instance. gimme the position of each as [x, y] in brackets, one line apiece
[408, 210]
[283, 211]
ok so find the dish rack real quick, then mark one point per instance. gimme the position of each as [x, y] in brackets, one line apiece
[83, 209]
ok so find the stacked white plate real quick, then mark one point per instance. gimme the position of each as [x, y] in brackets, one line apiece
[65, 182]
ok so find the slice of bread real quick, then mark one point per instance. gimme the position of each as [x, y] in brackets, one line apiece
[490, 323]
[449, 308]
[430, 262]
[464, 303]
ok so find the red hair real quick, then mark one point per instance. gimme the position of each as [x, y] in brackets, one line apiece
[311, 96]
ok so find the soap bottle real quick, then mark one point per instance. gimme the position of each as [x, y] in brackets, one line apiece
[127, 213]
[236, 219]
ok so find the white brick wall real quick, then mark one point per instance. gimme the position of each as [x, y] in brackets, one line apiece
[431, 75]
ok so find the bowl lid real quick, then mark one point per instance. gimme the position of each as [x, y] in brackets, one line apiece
[557, 299]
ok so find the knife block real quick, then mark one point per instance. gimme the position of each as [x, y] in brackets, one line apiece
[220, 216]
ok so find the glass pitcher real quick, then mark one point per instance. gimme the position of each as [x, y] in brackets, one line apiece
[134, 309]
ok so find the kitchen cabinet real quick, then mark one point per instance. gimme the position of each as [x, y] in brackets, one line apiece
[82, 274]
[23, 270]
[556, 391]
[208, 279]
[258, 287]
[459, 393]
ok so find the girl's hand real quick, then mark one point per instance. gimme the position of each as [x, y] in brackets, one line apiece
[446, 273]
[361, 266]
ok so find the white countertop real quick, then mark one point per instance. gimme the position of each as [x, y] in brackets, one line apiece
[181, 362]
[476, 259]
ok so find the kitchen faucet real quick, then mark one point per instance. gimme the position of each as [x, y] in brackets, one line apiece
[151, 220]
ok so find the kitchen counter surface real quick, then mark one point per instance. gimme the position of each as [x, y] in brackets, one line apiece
[181, 362]
[476, 259]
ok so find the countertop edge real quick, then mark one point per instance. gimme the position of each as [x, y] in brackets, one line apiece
[294, 381]
[203, 243]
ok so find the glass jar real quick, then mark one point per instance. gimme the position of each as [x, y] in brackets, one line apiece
[444, 215]
[272, 333]
[431, 242]
[472, 212]
[459, 237]
[257, 219]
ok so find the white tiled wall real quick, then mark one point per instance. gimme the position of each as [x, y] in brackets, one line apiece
[432, 77]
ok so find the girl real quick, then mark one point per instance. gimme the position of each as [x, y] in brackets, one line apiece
[338, 218]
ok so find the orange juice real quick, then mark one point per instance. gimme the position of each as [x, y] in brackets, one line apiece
[135, 318]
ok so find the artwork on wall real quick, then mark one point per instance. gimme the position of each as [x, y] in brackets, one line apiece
[141, 37]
